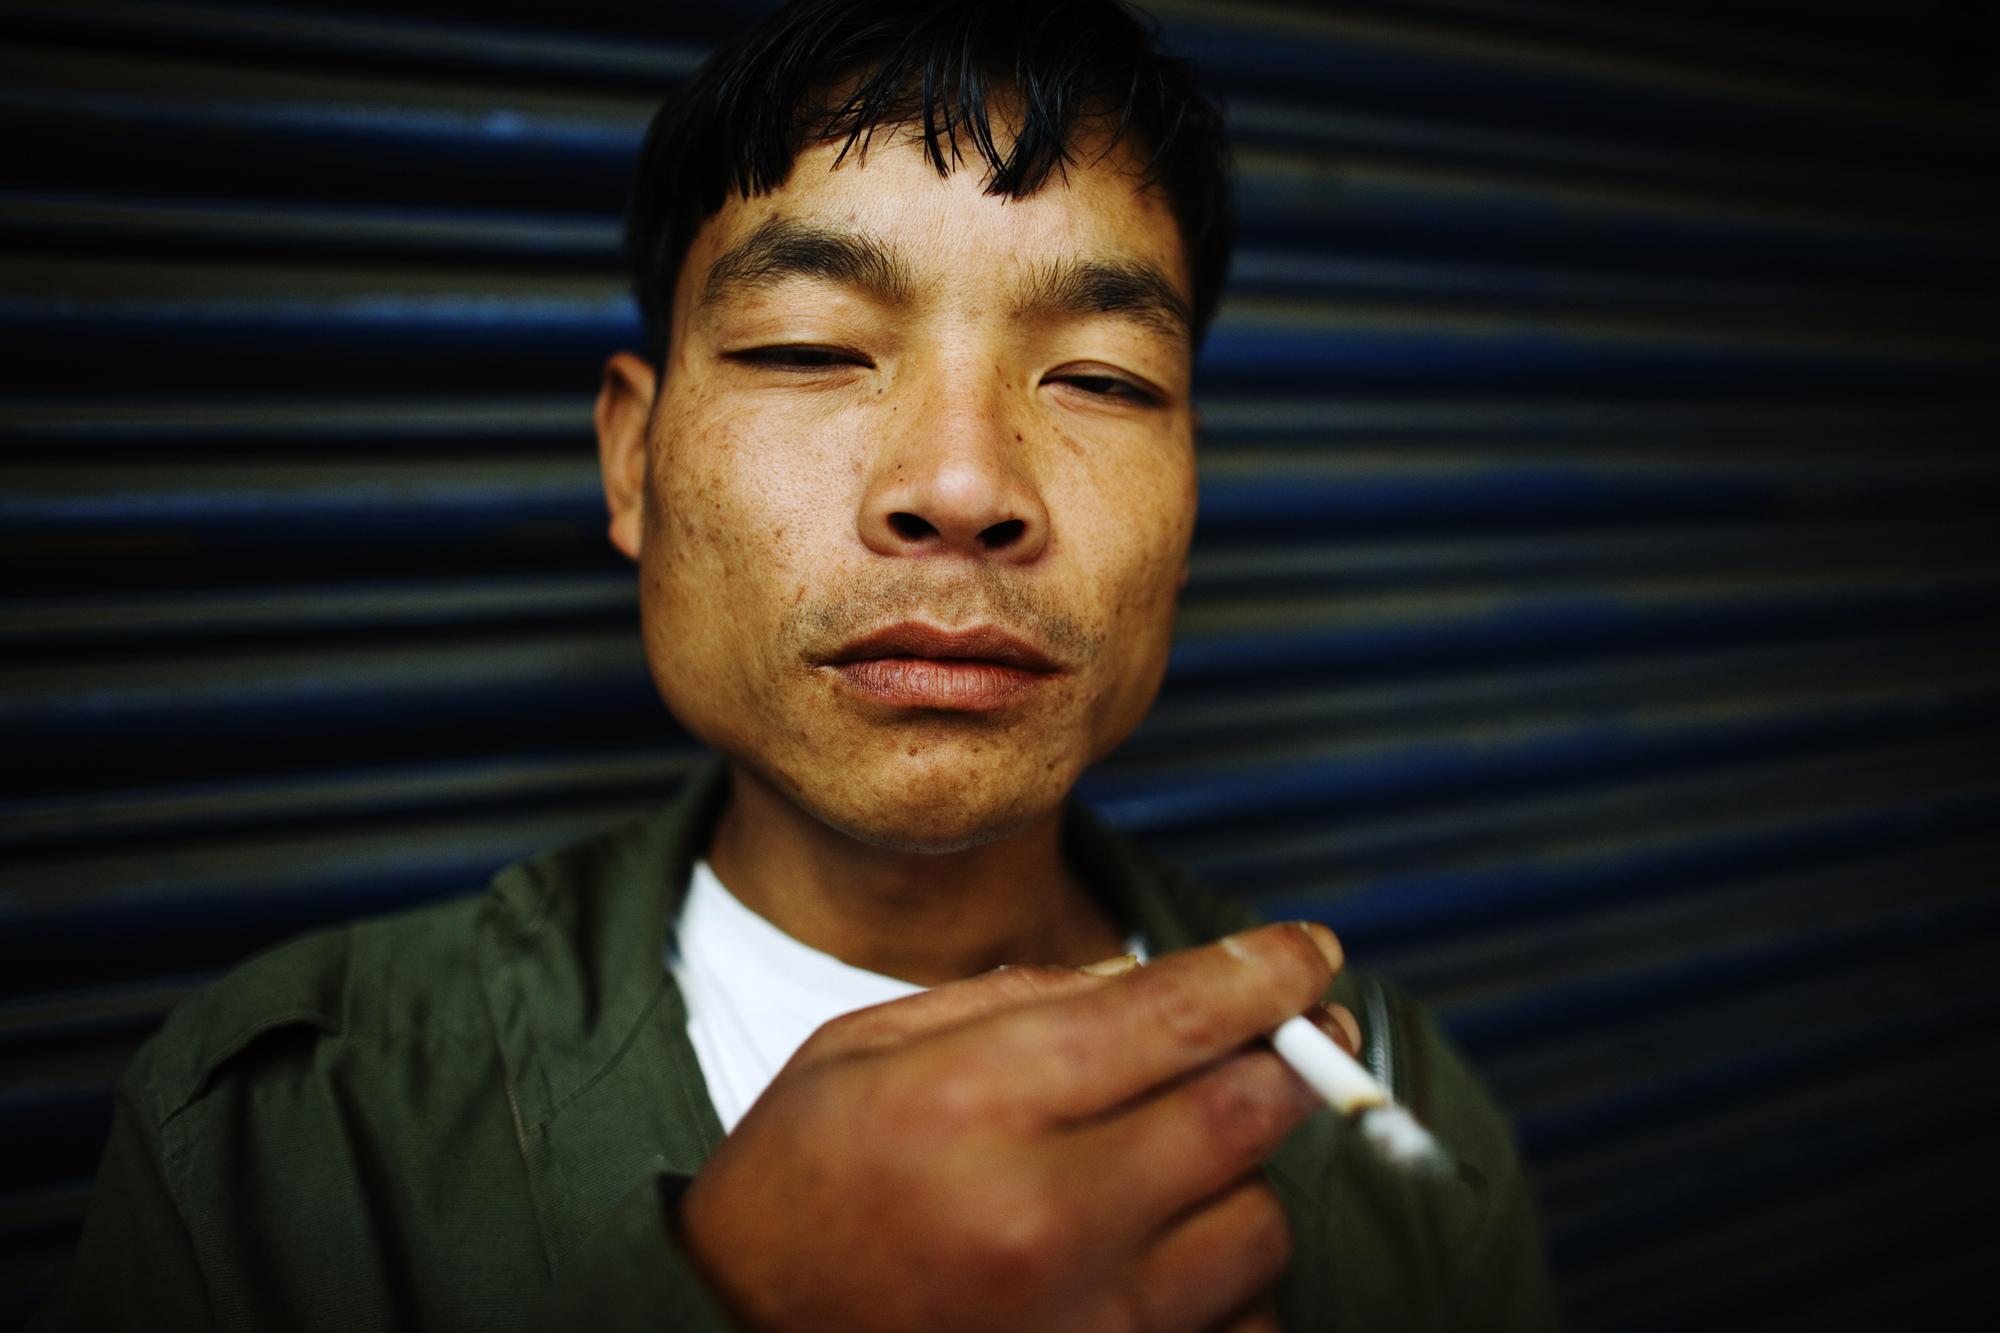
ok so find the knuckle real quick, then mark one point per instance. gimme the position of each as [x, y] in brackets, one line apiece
[1188, 1018]
[955, 1098]
[1022, 1246]
[1243, 1108]
[1063, 1045]
[943, 1092]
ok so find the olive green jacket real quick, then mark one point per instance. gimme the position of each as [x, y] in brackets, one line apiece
[472, 1116]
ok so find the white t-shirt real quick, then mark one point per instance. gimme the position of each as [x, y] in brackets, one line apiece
[754, 994]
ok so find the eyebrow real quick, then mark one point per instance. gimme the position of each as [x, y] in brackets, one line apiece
[784, 248]
[1133, 288]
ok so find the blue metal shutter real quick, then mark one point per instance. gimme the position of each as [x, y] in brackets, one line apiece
[1592, 614]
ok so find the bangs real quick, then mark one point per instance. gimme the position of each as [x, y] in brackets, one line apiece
[1017, 88]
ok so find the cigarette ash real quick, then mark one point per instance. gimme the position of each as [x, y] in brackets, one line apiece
[1396, 1134]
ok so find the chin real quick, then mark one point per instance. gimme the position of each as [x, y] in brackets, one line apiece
[944, 798]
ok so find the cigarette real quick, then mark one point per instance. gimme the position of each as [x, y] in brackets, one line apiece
[1352, 1091]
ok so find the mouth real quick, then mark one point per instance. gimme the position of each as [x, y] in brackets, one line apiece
[913, 665]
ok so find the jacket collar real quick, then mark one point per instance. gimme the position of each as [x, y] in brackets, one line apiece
[603, 1084]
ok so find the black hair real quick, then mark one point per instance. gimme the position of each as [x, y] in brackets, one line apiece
[823, 70]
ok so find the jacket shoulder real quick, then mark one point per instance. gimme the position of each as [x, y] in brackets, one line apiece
[380, 978]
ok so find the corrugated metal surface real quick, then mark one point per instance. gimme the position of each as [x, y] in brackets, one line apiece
[1593, 613]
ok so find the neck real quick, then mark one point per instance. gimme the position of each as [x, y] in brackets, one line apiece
[926, 918]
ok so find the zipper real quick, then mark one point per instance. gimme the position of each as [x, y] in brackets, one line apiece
[1378, 1050]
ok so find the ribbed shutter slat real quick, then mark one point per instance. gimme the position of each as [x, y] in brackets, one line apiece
[1592, 614]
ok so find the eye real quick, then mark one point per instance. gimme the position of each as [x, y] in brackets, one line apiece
[1115, 388]
[798, 356]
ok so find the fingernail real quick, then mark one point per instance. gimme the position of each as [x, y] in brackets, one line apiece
[1113, 967]
[1324, 940]
[1339, 1014]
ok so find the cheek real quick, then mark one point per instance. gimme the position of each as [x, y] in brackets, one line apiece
[788, 465]
[746, 508]
[1142, 584]
[708, 515]
[713, 579]
[1146, 526]
[1132, 536]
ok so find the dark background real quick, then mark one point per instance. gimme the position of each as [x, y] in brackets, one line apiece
[1593, 611]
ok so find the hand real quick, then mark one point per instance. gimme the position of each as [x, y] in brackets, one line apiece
[1035, 1148]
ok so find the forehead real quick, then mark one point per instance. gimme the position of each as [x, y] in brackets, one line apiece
[944, 225]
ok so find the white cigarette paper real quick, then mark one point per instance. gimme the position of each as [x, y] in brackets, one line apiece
[1353, 1091]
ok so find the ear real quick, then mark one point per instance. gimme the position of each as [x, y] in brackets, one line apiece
[624, 409]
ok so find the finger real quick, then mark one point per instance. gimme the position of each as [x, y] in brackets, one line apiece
[1336, 1021]
[1261, 1316]
[1214, 1262]
[1193, 1140]
[1091, 1050]
[895, 1022]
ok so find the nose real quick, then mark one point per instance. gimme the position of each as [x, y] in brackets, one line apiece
[955, 478]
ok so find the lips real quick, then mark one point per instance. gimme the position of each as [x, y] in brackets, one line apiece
[913, 665]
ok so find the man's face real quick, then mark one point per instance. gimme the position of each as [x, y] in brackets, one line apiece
[918, 485]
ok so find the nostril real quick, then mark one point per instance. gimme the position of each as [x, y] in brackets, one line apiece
[1003, 534]
[911, 528]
